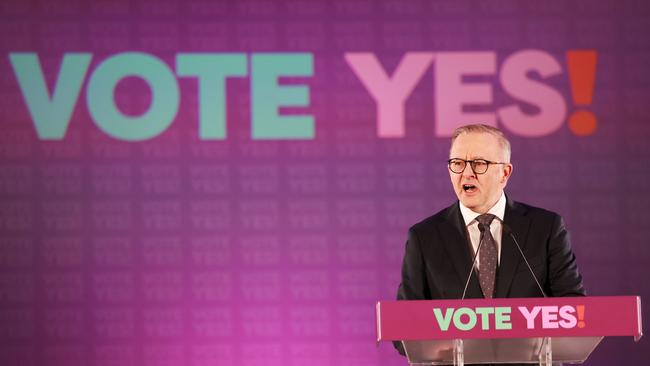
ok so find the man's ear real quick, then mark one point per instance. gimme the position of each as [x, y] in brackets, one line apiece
[507, 172]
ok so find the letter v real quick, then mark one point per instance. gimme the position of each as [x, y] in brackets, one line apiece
[50, 115]
[443, 321]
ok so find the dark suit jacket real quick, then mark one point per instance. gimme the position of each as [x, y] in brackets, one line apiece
[438, 257]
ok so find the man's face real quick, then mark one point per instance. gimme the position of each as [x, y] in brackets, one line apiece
[479, 192]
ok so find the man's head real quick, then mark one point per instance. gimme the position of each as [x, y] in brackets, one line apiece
[479, 191]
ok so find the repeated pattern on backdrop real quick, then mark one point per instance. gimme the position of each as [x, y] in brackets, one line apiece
[181, 251]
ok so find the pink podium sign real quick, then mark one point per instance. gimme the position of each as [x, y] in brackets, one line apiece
[509, 318]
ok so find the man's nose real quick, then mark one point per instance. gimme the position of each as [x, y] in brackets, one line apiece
[468, 171]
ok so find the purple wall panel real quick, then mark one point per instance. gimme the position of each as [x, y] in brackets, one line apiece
[180, 251]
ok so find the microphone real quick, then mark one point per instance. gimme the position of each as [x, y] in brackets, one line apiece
[508, 230]
[471, 269]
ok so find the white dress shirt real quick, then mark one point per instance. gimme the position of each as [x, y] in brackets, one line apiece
[469, 216]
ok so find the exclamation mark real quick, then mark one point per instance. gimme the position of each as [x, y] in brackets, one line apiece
[582, 75]
[581, 315]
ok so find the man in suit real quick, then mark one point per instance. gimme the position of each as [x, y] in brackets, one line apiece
[440, 249]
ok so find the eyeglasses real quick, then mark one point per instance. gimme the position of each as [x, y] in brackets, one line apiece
[479, 166]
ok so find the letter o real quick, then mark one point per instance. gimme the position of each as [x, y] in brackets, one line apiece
[471, 321]
[164, 96]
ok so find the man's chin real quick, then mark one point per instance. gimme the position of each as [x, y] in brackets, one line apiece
[471, 202]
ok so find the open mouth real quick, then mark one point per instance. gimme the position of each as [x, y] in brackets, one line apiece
[469, 188]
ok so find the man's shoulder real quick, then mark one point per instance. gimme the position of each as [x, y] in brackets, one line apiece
[449, 214]
[440, 217]
[529, 210]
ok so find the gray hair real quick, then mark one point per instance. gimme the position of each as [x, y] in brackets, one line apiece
[481, 128]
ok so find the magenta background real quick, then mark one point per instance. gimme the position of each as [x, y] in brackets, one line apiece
[184, 252]
[603, 316]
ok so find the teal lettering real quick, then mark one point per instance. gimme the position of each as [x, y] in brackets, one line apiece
[502, 318]
[443, 321]
[485, 317]
[267, 96]
[211, 71]
[164, 96]
[471, 322]
[50, 114]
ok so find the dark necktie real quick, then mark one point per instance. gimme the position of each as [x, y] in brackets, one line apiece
[488, 256]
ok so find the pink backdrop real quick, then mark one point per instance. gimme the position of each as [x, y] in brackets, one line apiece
[181, 251]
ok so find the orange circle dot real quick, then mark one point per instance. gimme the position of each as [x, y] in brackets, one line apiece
[582, 123]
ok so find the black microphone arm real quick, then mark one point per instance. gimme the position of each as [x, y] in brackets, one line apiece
[471, 269]
[507, 229]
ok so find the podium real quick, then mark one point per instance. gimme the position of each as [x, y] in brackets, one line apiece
[526, 330]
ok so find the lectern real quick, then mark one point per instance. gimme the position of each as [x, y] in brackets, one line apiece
[526, 330]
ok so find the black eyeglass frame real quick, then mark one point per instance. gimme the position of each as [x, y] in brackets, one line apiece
[472, 163]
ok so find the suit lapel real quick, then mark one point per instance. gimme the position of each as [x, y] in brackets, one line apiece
[456, 245]
[510, 256]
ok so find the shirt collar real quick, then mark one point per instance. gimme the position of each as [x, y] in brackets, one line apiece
[498, 210]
